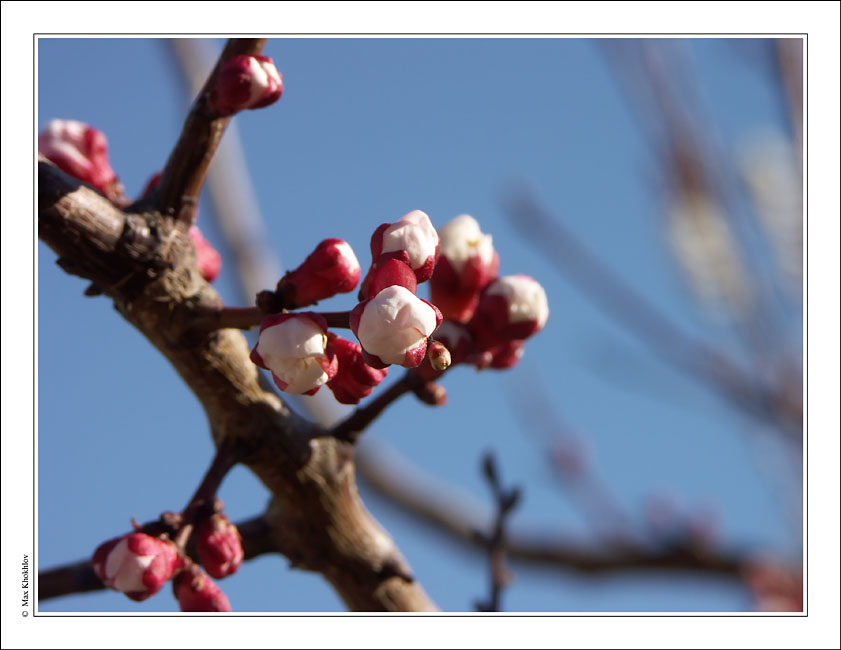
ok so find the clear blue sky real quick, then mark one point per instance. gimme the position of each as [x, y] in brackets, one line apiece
[367, 130]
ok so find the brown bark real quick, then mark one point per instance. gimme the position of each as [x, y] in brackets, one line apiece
[146, 265]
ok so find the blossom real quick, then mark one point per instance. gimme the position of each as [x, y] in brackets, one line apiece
[330, 269]
[219, 545]
[207, 258]
[466, 265]
[412, 239]
[354, 379]
[393, 327]
[246, 81]
[295, 349]
[511, 308]
[196, 592]
[81, 151]
[136, 564]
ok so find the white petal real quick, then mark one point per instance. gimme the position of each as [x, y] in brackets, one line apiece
[415, 234]
[394, 322]
[124, 570]
[462, 239]
[526, 298]
[291, 350]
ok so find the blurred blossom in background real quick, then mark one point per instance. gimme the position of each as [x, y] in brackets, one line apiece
[653, 187]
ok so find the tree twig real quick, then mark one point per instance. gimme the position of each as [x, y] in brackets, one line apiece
[352, 427]
[177, 193]
[458, 514]
[505, 501]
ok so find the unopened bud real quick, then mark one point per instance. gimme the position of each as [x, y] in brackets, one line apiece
[393, 327]
[208, 258]
[330, 269]
[438, 355]
[246, 82]
[413, 235]
[295, 349]
[136, 564]
[431, 393]
[219, 546]
[196, 592]
[81, 151]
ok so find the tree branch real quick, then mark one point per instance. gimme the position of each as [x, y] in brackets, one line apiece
[352, 427]
[449, 509]
[183, 176]
[79, 577]
[147, 266]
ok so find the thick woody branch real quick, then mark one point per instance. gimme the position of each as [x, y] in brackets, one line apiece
[146, 265]
[185, 171]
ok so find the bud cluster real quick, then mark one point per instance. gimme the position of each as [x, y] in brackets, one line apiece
[81, 151]
[391, 323]
[486, 318]
[139, 564]
[477, 317]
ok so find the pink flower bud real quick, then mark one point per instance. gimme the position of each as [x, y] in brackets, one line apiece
[413, 234]
[295, 349]
[196, 592]
[393, 327]
[467, 264]
[511, 308]
[219, 545]
[246, 82]
[330, 269]
[355, 379]
[207, 258]
[136, 564]
[81, 151]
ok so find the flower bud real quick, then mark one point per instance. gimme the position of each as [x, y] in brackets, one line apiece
[219, 545]
[431, 393]
[196, 592]
[295, 349]
[511, 308]
[81, 151]
[136, 564]
[330, 269]
[506, 355]
[458, 342]
[393, 327]
[354, 379]
[413, 234]
[246, 82]
[438, 355]
[467, 264]
[207, 258]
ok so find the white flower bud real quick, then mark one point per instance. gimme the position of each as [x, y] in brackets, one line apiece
[294, 347]
[394, 325]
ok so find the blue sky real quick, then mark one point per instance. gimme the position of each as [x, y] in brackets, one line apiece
[367, 130]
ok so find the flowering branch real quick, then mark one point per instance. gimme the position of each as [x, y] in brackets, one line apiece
[177, 193]
[79, 577]
[147, 267]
